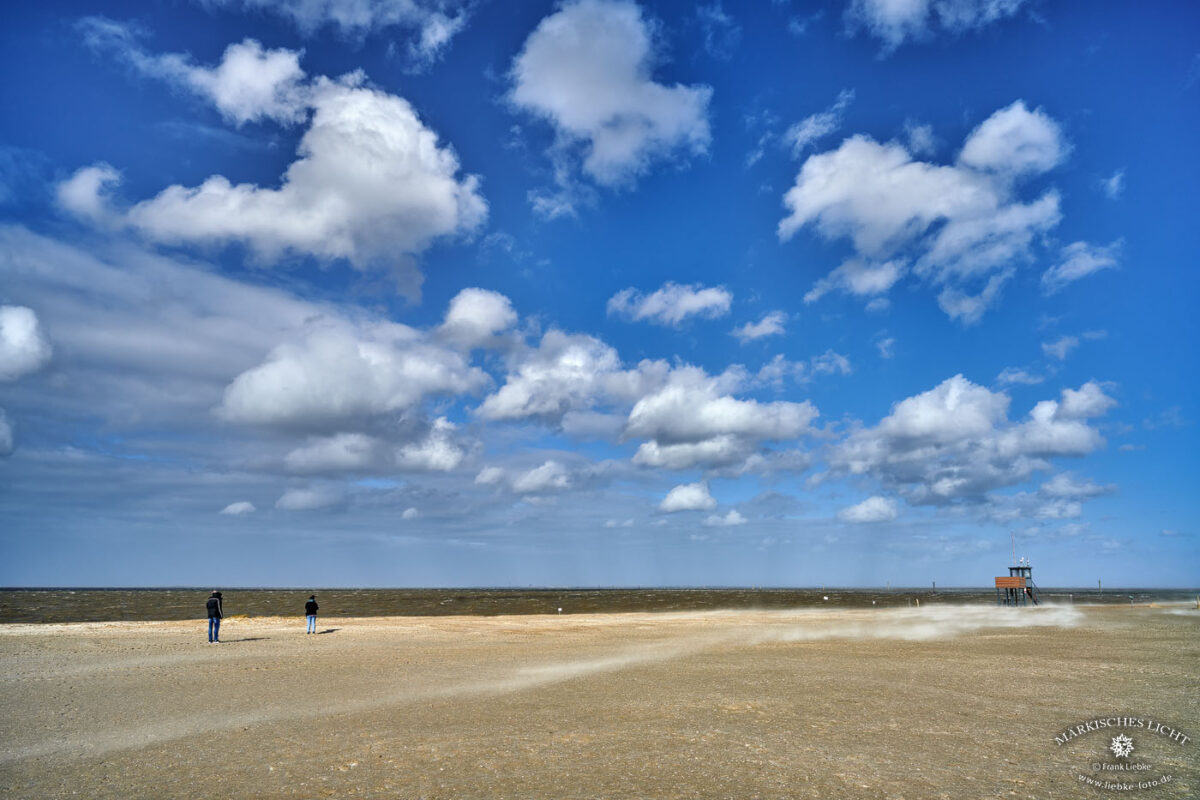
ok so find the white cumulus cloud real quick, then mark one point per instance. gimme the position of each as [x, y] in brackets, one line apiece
[1015, 141]
[955, 442]
[693, 407]
[24, 348]
[959, 227]
[371, 184]
[688, 497]
[476, 316]
[719, 451]
[239, 508]
[337, 377]
[565, 373]
[586, 69]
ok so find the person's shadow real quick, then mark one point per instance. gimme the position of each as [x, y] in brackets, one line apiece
[328, 630]
[247, 639]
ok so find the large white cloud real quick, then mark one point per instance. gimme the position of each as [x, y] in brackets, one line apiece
[685, 416]
[693, 419]
[897, 21]
[566, 372]
[337, 376]
[955, 441]
[688, 497]
[144, 339]
[372, 183]
[24, 348]
[693, 407]
[956, 226]
[671, 304]
[587, 69]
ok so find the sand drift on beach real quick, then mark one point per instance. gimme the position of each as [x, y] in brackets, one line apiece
[946, 701]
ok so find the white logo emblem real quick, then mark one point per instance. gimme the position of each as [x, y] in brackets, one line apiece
[1121, 746]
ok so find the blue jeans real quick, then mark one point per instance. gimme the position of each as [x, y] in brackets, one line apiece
[214, 629]
[312, 623]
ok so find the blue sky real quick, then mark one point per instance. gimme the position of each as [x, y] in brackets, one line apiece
[408, 292]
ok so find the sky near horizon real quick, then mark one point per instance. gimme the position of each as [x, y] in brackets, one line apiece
[433, 293]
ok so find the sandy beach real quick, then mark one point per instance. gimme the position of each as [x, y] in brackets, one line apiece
[941, 702]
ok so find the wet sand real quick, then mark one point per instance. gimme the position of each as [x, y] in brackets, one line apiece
[933, 703]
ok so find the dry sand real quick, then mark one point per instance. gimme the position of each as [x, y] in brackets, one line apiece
[945, 702]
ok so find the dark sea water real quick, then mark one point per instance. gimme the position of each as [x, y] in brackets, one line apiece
[101, 605]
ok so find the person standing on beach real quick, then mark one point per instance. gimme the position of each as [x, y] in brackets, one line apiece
[215, 613]
[310, 611]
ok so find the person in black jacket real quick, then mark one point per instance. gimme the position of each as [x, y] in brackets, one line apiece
[310, 611]
[215, 613]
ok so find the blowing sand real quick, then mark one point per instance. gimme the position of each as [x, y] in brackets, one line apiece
[942, 702]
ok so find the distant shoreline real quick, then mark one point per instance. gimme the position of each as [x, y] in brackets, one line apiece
[167, 604]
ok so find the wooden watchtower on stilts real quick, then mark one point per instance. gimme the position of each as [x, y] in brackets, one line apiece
[1018, 588]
